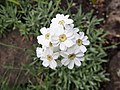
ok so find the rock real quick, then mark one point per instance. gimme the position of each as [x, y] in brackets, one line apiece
[113, 21]
[114, 67]
[114, 6]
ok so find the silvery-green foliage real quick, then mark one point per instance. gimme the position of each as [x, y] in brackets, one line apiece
[29, 18]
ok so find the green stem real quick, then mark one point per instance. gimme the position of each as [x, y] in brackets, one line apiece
[11, 46]
[112, 46]
[56, 8]
[11, 67]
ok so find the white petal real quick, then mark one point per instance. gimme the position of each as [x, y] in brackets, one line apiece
[72, 37]
[53, 20]
[59, 15]
[81, 35]
[77, 36]
[69, 26]
[80, 54]
[64, 54]
[62, 46]
[69, 43]
[66, 16]
[77, 49]
[71, 65]
[45, 43]
[69, 34]
[39, 52]
[45, 63]
[86, 42]
[49, 51]
[65, 62]
[53, 64]
[81, 59]
[42, 58]
[55, 44]
[56, 55]
[85, 38]
[83, 48]
[71, 50]
[43, 30]
[40, 39]
[55, 41]
[59, 30]
[54, 38]
[51, 31]
[69, 21]
[76, 29]
[77, 62]
[72, 25]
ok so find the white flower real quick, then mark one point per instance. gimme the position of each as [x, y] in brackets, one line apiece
[60, 21]
[72, 56]
[39, 51]
[71, 28]
[45, 38]
[63, 39]
[49, 58]
[81, 41]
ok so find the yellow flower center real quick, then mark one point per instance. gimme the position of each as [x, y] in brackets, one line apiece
[47, 36]
[62, 38]
[61, 22]
[50, 44]
[71, 56]
[79, 42]
[49, 57]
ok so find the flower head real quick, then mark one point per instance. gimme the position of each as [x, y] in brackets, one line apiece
[63, 39]
[45, 38]
[72, 56]
[61, 21]
[81, 41]
[49, 58]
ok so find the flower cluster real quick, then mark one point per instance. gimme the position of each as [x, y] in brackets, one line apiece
[62, 44]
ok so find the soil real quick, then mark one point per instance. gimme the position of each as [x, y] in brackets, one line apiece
[11, 59]
[107, 9]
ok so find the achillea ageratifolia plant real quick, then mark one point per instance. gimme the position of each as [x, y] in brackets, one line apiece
[62, 44]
